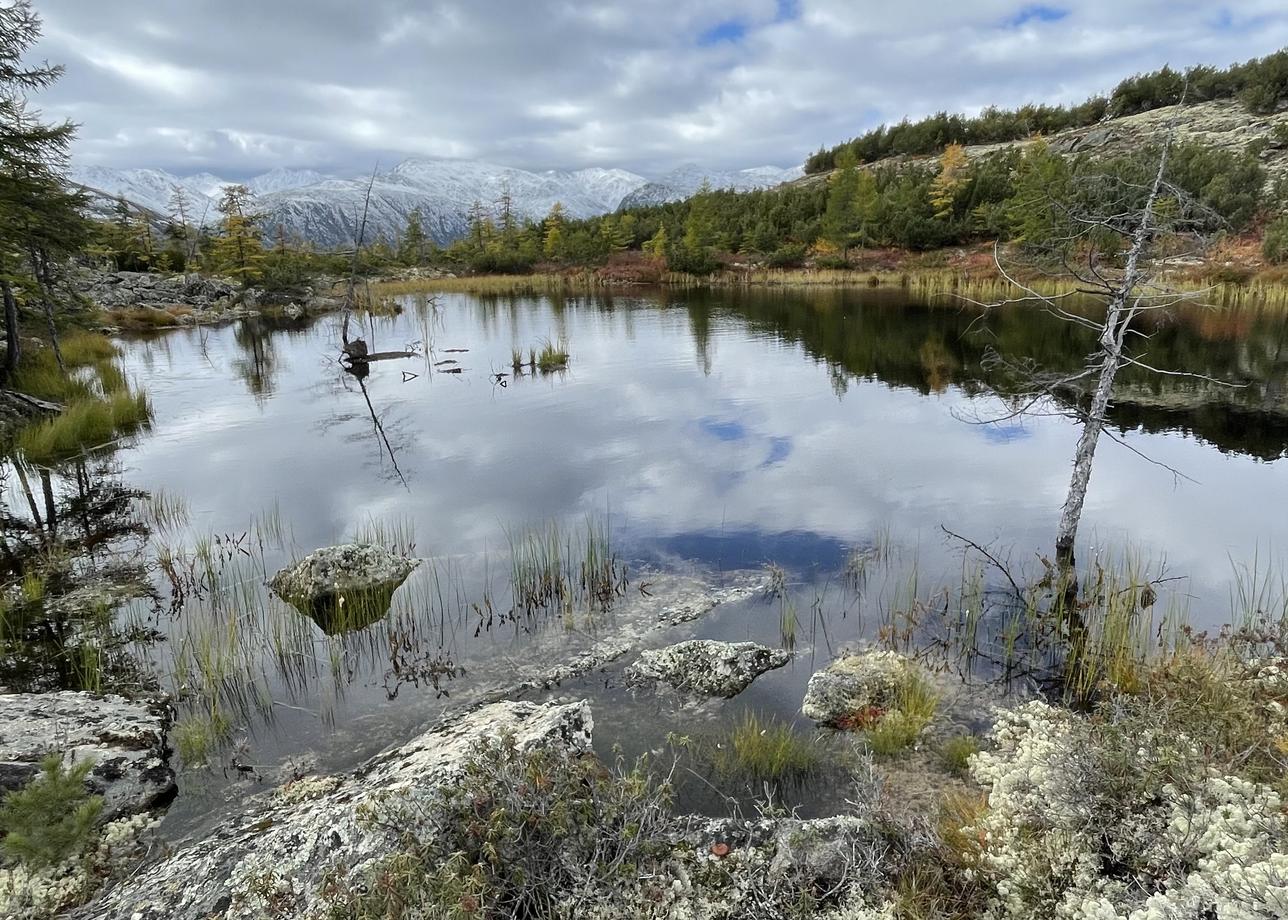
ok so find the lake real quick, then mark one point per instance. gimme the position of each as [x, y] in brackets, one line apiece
[713, 434]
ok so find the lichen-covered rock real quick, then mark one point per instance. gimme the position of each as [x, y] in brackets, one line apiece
[126, 739]
[707, 666]
[864, 682]
[272, 859]
[361, 577]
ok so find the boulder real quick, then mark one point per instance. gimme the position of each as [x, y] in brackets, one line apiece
[272, 859]
[343, 587]
[706, 666]
[126, 740]
[859, 685]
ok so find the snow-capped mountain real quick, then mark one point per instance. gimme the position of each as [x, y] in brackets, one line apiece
[149, 188]
[326, 210]
[281, 179]
[684, 181]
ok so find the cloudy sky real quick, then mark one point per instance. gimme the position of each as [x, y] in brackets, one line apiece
[239, 86]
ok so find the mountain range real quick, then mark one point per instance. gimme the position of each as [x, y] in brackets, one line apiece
[326, 209]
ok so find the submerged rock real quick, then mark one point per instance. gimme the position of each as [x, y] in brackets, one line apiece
[707, 666]
[274, 858]
[126, 739]
[343, 587]
[860, 685]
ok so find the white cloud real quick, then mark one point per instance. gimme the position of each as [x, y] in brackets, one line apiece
[558, 83]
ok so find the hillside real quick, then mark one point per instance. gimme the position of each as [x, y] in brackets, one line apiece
[1224, 124]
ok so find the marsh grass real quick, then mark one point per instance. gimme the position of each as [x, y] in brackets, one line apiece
[494, 284]
[557, 569]
[199, 736]
[83, 426]
[757, 750]
[552, 356]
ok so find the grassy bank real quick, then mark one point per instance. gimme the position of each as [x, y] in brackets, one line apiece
[1266, 290]
[98, 404]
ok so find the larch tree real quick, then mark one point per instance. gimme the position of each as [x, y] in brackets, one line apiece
[839, 219]
[238, 250]
[552, 243]
[414, 243]
[953, 174]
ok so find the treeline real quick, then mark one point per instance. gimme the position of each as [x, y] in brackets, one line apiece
[1261, 84]
[950, 202]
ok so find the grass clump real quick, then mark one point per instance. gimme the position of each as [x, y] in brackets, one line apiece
[197, 737]
[896, 729]
[955, 753]
[552, 357]
[52, 818]
[757, 751]
[85, 424]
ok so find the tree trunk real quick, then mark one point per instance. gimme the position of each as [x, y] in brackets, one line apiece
[40, 270]
[13, 348]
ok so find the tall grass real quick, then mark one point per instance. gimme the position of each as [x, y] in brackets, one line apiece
[86, 424]
[760, 750]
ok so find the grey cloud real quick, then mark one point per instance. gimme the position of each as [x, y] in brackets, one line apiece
[238, 87]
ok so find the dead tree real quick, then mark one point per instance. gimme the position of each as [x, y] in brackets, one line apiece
[1100, 234]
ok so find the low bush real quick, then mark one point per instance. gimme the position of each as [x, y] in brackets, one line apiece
[1275, 246]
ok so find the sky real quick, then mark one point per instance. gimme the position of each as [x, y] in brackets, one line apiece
[237, 87]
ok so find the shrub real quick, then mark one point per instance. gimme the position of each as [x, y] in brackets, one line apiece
[521, 833]
[789, 255]
[1275, 246]
[51, 819]
[691, 260]
[758, 751]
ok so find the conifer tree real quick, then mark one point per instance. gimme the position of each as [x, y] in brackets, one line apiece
[839, 218]
[414, 244]
[552, 243]
[952, 176]
[237, 249]
[40, 216]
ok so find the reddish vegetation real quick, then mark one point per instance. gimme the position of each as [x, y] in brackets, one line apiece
[862, 719]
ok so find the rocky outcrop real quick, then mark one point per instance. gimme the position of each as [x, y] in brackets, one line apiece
[706, 666]
[125, 739]
[343, 587]
[193, 298]
[277, 854]
[110, 290]
[856, 686]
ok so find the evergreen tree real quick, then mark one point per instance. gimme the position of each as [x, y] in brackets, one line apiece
[414, 244]
[843, 186]
[40, 217]
[237, 249]
[658, 243]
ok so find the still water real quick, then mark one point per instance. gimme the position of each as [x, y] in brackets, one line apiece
[715, 432]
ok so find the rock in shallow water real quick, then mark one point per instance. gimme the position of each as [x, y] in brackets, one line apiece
[707, 666]
[856, 686]
[361, 577]
[280, 851]
[125, 739]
